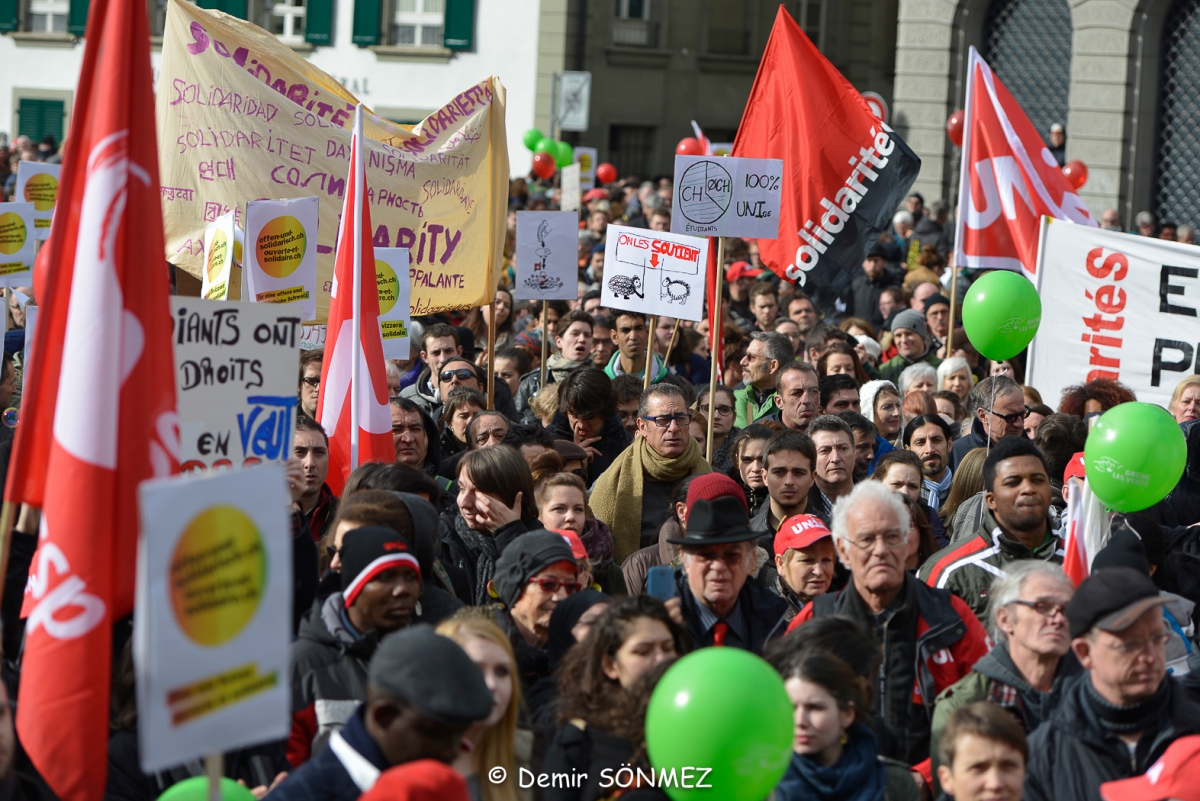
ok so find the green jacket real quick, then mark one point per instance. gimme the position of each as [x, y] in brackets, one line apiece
[893, 367]
[748, 405]
[968, 566]
[614, 368]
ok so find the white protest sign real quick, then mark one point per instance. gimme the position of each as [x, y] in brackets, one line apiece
[213, 614]
[653, 272]
[392, 279]
[1124, 307]
[572, 192]
[235, 375]
[312, 337]
[219, 248]
[547, 266]
[281, 252]
[586, 158]
[16, 244]
[37, 183]
[724, 196]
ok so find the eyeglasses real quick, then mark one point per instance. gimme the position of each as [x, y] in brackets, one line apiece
[462, 374]
[1044, 608]
[723, 410]
[731, 557]
[332, 550]
[664, 420]
[1014, 418]
[552, 585]
[312, 381]
[1133, 647]
[893, 540]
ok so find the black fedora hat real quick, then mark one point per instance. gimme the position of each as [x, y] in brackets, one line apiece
[717, 522]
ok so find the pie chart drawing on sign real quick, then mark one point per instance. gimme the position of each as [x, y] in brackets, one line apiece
[705, 191]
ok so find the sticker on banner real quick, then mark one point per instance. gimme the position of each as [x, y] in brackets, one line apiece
[220, 251]
[727, 196]
[16, 244]
[547, 266]
[37, 183]
[587, 158]
[282, 253]
[392, 280]
[654, 272]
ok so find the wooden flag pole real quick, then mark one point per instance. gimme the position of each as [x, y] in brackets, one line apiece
[8, 518]
[545, 341]
[714, 347]
[953, 308]
[671, 344]
[491, 354]
[649, 352]
[214, 768]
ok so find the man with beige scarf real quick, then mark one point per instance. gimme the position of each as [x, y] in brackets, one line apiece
[631, 495]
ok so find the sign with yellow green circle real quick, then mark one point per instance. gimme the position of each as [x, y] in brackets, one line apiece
[585, 162]
[281, 245]
[218, 574]
[218, 254]
[13, 233]
[41, 190]
[388, 284]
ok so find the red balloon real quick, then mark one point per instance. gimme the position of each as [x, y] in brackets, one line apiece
[606, 173]
[1076, 173]
[954, 127]
[690, 146]
[544, 166]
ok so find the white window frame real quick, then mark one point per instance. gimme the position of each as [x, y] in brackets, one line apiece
[51, 9]
[290, 11]
[428, 15]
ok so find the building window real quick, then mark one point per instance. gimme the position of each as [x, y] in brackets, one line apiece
[48, 16]
[1177, 146]
[729, 27]
[812, 17]
[1028, 44]
[418, 23]
[633, 26]
[285, 19]
[630, 148]
[37, 118]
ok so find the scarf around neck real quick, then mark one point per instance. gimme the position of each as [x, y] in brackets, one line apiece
[936, 490]
[483, 548]
[857, 776]
[1117, 720]
[617, 495]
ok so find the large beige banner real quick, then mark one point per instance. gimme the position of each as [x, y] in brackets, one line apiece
[241, 117]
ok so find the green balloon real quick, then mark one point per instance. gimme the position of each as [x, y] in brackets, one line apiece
[1001, 313]
[546, 145]
[724, 709]
[196, 789]
[1135, 455]
[532, 137]
[564, 154]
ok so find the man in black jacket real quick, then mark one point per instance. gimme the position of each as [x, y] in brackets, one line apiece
[1125, 710]
[587, 415]
[997, 409]
[869, 282]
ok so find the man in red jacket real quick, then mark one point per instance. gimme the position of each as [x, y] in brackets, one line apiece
[929, 638]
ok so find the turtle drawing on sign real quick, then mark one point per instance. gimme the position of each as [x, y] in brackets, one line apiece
[540, 280]
[626, 285]
[674, 291]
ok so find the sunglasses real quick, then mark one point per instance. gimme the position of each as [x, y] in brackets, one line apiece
[462, 374]
[312, 381]
[552, 585]
[1014, 418]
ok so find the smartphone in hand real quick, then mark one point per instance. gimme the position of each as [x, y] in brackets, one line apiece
[660, 582]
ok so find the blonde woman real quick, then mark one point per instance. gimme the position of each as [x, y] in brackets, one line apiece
[1185, 401]
[495, 742]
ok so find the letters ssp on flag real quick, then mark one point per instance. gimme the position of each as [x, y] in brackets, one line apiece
[241, 117]
[845, 171]
[104, 335]
[1126, 308]
[1008, 180]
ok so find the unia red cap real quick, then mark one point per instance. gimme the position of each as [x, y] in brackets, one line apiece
[800, 531]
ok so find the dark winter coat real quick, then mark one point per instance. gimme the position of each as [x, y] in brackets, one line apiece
[866, 293]
[326, 778]
[455, 554]
[613, 440]
[765, 613]
[258, 765]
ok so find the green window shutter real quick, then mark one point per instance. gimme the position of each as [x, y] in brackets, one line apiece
[77, 17]
[235, 8]
[458, 31]
[8, 15]
[318, 22]
[367, 14]
[36, 118]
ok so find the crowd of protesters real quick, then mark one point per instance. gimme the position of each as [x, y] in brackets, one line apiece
[881, 518]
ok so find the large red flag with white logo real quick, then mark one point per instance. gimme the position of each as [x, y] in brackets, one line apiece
[353, 404]
[99, 402]
[1009, 179]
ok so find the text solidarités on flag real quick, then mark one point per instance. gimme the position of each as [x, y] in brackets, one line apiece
[1009, 180]
[844, 170]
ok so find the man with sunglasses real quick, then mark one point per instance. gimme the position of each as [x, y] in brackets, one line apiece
[929, 638]
[1123, 713]
[997, 407]
[1013, 525]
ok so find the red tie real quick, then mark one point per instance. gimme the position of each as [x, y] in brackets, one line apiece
[719, 628]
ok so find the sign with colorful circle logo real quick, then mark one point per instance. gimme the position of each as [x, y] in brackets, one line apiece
[219, 253]
[37, 184]
[281, 257]
[17, 248]
[392, 279]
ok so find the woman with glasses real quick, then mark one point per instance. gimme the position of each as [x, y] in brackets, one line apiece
[1031, 663]
[722, 417]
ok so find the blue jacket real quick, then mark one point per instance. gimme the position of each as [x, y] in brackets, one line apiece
[330, 777]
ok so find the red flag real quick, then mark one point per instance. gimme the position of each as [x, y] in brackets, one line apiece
[353, 403]
[1008, 181]
[99, 403]
[844, 171]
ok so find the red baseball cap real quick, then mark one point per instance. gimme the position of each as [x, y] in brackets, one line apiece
[800, 531]
[741, 269]
[596, 194]
[1074, 468]
[1175, 775]
[577, 549]
[711, 486]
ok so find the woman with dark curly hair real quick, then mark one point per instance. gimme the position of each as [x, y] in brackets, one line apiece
[1095, 397]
